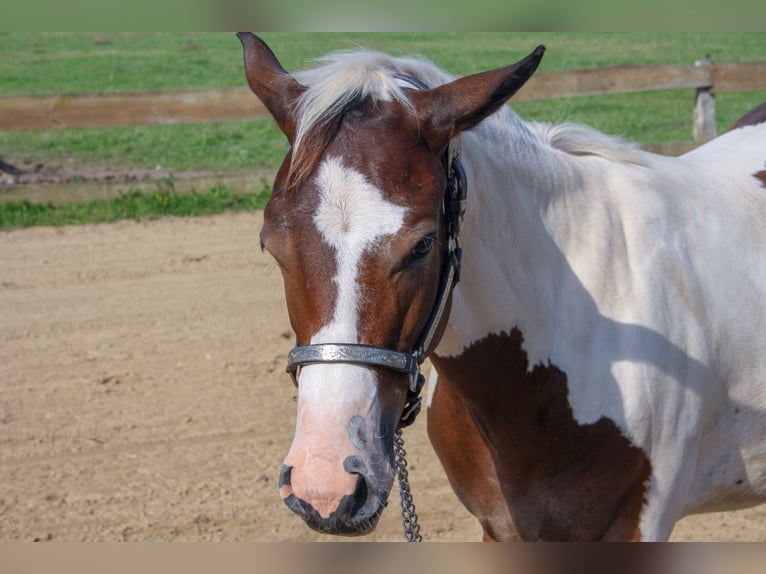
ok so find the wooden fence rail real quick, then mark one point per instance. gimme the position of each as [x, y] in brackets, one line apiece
[132, 108]
[129, 108]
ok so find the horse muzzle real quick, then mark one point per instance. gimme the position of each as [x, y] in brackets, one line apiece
[355, 512]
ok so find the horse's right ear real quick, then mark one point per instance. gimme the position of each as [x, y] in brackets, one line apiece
[277, 89]
[452, 108]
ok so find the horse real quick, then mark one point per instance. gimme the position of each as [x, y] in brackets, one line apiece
[754, 117]
[593, 313]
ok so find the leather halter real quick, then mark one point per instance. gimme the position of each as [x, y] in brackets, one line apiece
[397, 361]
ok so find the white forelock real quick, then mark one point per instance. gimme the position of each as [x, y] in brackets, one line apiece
[345, 76]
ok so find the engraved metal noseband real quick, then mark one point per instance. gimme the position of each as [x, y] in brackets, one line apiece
[368, 356]
[397, 361]
[354, 354]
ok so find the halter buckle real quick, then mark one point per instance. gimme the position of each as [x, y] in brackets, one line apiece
[410, 412]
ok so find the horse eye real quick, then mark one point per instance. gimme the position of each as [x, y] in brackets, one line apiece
[423, 246]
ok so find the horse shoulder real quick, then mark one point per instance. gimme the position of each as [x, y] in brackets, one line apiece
[560, 479]
[467, 461]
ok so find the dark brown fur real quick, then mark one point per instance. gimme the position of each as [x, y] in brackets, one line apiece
[559, 480]
[754, 117]
[314, 144]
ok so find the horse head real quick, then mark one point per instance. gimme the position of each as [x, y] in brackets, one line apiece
[359, 226]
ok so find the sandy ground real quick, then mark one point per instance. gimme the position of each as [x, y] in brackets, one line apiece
[143, 397]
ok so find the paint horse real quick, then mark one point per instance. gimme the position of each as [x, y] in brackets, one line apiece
[593, 313]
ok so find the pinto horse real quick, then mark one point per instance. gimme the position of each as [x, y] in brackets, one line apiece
[593, 313]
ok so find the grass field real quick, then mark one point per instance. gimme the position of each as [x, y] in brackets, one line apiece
[130, 205]
[48, 63]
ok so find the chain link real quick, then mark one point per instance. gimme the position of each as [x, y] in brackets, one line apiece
[409, 517]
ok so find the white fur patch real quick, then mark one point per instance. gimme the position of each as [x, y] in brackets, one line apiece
[618, 270]
[433, 380]
[353, 215]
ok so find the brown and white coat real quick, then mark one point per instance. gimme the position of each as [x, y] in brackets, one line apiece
[601, 370]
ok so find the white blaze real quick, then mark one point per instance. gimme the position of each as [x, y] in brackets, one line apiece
[352, 216]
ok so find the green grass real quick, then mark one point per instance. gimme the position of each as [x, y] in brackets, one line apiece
[217, 146]
[50, 63]
[131, 205]
[60, 62]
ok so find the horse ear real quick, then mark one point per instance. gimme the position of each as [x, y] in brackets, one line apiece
[270, 82]
[449, 109]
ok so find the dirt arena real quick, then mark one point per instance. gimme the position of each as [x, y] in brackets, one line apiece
[143, 394]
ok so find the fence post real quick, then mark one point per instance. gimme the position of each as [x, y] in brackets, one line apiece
[704, 128]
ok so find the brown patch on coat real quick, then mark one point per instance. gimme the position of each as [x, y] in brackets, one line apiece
[754, 117]
[560, 480]
[761, 175]
[468, 463]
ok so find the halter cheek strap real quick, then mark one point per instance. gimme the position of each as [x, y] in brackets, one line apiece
[397, 361]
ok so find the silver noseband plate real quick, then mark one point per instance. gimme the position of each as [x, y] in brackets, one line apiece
[354, 354]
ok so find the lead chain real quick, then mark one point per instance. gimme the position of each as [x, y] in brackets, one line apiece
[409, 517]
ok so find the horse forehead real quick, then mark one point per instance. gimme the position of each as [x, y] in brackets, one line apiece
[353, 212]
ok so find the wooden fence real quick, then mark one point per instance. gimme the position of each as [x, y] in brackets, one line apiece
[132, 108]
[185, 106]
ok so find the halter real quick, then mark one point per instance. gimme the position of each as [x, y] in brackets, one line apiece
[397, 361]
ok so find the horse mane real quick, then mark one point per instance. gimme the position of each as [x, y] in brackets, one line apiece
[581, 140]
[343, 81]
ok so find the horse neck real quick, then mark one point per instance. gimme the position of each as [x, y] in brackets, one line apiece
[512, 265]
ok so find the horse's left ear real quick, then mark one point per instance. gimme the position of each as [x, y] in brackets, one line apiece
[268, 80]
[460, 105]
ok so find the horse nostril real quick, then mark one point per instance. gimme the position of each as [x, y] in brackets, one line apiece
[286, 492]
[357, 432]
[354, 465]
[365, 501]
[285, 475]
[360, 498]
